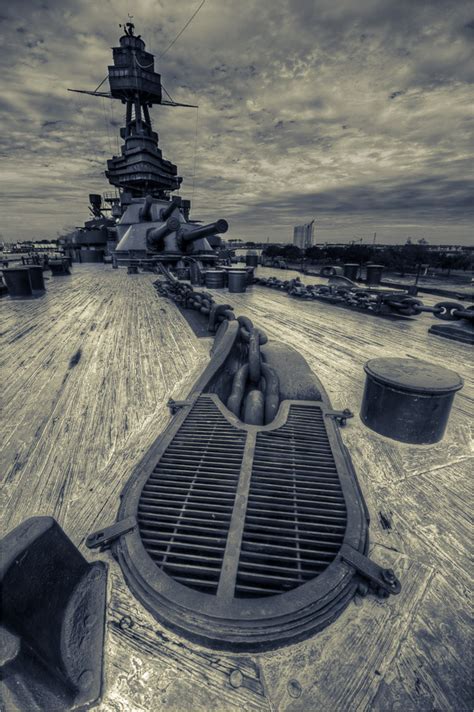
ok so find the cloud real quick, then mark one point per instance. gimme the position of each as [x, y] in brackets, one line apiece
[357, 114]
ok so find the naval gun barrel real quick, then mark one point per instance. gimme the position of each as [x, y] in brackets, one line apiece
[145, 211]
[157, 234]
[165, 213]
[204, 231]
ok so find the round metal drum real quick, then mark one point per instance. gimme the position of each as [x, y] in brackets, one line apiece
[18, 282]
[251, 258]
[350, 271]
[374, 275]
[237, 280]
[215, 278]
[36, 278]
[408, 399]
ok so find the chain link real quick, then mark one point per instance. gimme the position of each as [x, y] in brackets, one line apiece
[381, 303]
[255, 393]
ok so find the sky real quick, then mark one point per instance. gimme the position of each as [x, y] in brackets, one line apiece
[355, 113]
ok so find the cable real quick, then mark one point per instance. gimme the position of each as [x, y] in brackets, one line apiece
[195, 150]
[107, 127]
[103, 80]
[167, 93]
[142, 66]
[181, 31]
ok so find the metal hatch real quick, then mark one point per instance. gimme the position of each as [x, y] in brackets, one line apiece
[240, 527]
[246, 537]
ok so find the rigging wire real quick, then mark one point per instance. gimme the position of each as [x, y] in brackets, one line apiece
[167, 93]
[181, 31]
[142, 66]
[195, 150]
[107, 127]
[103, 80]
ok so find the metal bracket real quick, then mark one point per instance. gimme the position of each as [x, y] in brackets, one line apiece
[340, 416]
[103, 538]
[174, 406]
[383, 581]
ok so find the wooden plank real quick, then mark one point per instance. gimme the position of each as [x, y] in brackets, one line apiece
[88, 370]
[432, 671]
[150, 668]
[71, 428]
[430, 520]
[342, 667]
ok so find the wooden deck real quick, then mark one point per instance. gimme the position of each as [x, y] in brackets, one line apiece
[87, 370]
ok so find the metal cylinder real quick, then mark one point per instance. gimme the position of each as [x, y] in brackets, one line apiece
[144, 214]
[237, 280]
[90, 256]
[215, 278]
[374, 274]
[251, 259]
[36, 278]
[407, 399]
[60, 266]
[18, 282]
[350, 271]
[205, 231]
[156, 235]
[166, 213]
[250, 275]
[194, 274]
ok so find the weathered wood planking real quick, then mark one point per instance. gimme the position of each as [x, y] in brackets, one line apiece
[188, 677]
[87, 371]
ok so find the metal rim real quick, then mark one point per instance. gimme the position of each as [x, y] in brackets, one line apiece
[228, 622]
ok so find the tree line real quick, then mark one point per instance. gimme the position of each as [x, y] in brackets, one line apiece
[399, 258]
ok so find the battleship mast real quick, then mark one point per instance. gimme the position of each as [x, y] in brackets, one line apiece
[149, 223]
[141, 168]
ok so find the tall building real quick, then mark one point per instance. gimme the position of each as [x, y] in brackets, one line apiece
[303, 235]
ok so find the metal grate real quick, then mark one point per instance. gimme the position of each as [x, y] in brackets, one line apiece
[186, 504]
[296, 515]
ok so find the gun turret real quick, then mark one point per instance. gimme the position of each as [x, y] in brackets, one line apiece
[198, 233]
[156, 235]
[145, 211]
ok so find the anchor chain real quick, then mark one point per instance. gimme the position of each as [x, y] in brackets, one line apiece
[377, 302]
[255, 393]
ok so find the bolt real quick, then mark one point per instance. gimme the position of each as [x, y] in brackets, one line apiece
[294, 688]
[125, 622]
[388, 575]
[236, 678]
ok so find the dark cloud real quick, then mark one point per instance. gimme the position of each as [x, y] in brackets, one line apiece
[356, 113]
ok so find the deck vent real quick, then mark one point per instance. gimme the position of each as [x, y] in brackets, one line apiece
[241, 527]
[296, 514]
[186, 505]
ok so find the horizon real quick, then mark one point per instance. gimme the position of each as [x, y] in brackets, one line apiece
[356, 115]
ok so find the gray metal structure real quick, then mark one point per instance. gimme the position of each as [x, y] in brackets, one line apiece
[151, 225]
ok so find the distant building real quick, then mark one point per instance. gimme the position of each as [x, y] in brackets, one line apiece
[303, 235]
